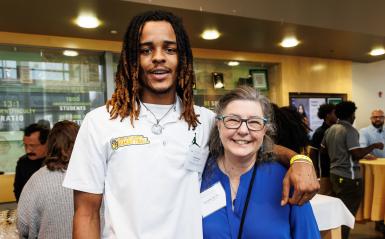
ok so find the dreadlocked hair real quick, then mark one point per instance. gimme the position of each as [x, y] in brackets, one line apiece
[291, 131]
[125, 101]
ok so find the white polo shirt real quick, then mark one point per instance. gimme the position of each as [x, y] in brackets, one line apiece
[147, 191]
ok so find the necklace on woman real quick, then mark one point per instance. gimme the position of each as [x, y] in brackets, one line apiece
[233, 189]
[157, 128]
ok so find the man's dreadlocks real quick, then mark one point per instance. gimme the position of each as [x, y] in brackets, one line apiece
[125, 100]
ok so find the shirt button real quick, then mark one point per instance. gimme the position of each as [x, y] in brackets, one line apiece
[164, 143]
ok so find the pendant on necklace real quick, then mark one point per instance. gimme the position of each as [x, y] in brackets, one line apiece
[156, 129]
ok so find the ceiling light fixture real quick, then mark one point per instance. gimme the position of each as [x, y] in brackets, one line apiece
[210, 34]
[70, 53]
[289, 42]
[87, 21]
[233, 63]
[377, 51]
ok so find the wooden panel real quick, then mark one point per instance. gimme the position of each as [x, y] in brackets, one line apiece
[295, 74]
[60, 42]
[6, 186]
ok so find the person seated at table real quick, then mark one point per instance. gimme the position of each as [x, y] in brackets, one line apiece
[241, 184]
[45, 208]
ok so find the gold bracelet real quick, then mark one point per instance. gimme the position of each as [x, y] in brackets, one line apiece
[302, 161]
[300, 157]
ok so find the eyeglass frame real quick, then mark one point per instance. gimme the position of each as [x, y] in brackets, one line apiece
[223, 117]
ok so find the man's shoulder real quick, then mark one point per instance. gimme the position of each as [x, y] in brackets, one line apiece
[22, 159]
[338, 126]
[320, 131]
[101, 111]
[100, 116]
[336, 130]
[204, 113]
[364, 130]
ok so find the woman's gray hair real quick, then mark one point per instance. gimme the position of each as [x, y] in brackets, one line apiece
[249, 94]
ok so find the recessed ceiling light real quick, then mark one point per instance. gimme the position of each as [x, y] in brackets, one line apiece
[318, 67]
[70, 53]
[87, 21]
[377, 51]
[233, 63]
[210, 34]
[289, 42]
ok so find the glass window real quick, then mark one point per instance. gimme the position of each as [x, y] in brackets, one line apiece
[38, 84]
[215, 77]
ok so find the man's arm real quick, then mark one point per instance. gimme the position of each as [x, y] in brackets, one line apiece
[359, 153]
[300, 175]
[86, 222]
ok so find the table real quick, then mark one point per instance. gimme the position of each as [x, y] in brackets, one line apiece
[330, 214]
[6, 187]
[373, 204]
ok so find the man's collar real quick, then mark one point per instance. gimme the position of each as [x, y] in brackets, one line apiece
[373, 128]
[175, 113]
[344, 122]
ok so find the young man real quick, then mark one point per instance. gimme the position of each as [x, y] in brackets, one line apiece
[35, 145]
[341, 141]
[326, 112]
[144, 155]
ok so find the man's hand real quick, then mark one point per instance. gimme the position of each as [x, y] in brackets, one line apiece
[370, 157]
[378, 145]
[302, 177]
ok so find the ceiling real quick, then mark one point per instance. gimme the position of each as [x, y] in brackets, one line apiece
[343, 29]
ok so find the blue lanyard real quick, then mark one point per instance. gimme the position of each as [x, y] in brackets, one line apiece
[247, 202]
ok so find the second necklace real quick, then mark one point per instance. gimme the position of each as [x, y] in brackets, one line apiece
[157, 128]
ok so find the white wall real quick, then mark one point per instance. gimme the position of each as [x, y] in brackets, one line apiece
[368, 79]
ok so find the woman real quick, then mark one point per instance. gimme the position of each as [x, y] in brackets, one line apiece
[302, 112]
[241, 185]
[45, 208]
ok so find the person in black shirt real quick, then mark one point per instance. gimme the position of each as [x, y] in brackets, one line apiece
[321, 161]
[35, 145]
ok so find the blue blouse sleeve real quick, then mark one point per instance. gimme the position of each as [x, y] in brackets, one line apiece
[303, 223]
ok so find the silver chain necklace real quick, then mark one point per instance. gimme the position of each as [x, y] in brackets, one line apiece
[157, 128]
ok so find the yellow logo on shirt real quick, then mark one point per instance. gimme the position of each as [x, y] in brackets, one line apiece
[128, 140]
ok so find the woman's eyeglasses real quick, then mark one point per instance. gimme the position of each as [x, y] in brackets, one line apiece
[234, 122]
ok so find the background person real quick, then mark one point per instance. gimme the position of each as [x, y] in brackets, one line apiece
[341, 141]
[321, 160]
[370, 135]
[35, 145]
[249, 178]
[45, 208]
[301, 110]
[139, 155]
[374, 133]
